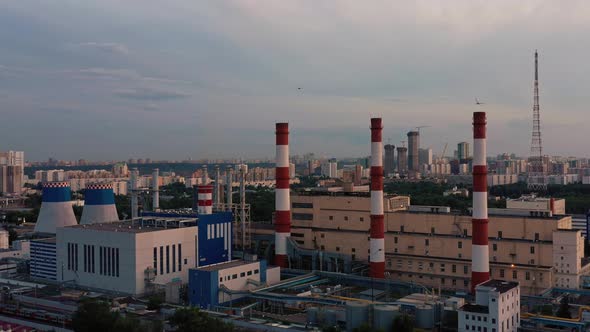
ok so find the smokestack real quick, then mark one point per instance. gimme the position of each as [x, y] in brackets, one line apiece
[480, 259]
[99, 204]
[229, 180]
[156, 190]
[217, 193]
[205, 199]
[134, 201]
[282, 199]
[377, 242]
[205, 179]
[56, 208]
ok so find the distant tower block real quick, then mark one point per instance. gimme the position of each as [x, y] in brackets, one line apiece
[56, 208]
[480, 255]
[413, 146]
[205, 196]
[282, 195]
[99, 204]
[377, 238]
[156, 190]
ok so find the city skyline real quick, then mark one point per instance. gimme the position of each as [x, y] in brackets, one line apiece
[208, 80]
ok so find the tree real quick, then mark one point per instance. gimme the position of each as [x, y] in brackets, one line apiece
[194, 320]
[94, 316]
[155, 302]
[403, 323]
[331, 329]
[564, 308]
[363, 328]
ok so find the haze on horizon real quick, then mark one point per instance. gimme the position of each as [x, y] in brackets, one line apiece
[208, 79]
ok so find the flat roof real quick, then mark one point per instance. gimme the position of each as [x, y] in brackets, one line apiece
[227, 265]
[499, 285]
[476, 308]
[128, 226]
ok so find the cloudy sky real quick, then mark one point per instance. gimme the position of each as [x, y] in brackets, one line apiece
[106, 79]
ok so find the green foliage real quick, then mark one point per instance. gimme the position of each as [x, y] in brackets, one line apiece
[12, 234]
[577, 196]
[403, 323]
[123, 204]
[96, 316]
[365, 327]
[305, 182]
[331, 329]
[155, 302]
[262, 203]
[564, 308]
[194, 320]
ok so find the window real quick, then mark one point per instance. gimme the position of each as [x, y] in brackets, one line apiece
[256, 271]
[493, 321]
[173, 258]
[161, 260]
[514, 274]
[495, 247]
[459, 244]
[180, 257]
[302, 216]
[156, 260]
[454, 268]
[85, 258]
[234, 276]
[426, 242]
[353, 250]
[454, 282]
[432, 230]
[395, 239]
[465, 269]
[167, 259]
[108, 255]
[465, 232]
[537, 238]
[337, 248]
[242, 274]
[499, 234]
[302, 205]
[466, 317]
[442, 267]
[401, 228]
[345, 218]
[331, 218]
[362, 219]
[442, 281]
[322, 235]
[117, 262]
[527, 275]
[479, 318]
[249, 273]
[532, 250]
[322, 247]
[501, 273]
[221, 279]
[465, 283]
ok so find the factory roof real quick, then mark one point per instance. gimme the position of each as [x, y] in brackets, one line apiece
[499, 285]
[475, 308]
[234, 263]
[141, 226]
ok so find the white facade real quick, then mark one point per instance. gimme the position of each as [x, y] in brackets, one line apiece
[117, 258]
[244, 276]
[568, 251]
[497, 308]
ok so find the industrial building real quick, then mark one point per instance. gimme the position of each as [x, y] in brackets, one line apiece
[99, 204]
[56, 208]
[132, 256]
[496, 308]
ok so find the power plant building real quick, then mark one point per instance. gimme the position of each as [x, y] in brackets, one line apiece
[56, 208]
[432, 245]
[99, 204]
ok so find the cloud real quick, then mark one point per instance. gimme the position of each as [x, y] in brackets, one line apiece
[114, 48]
[150, 94]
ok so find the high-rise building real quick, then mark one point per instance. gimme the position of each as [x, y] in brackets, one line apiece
[402, 159]
[330, 168]
[463, 151]
[413, 146]
[12, 164]
[389, 159]
[425, 156]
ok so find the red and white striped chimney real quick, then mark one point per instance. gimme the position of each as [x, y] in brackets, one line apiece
[480, 256]
[205, 199]
[377, 242]
[282, 198]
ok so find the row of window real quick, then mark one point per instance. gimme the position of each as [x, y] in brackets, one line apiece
[108, 259]
[242, 275]
[72, 256]
[166, 264]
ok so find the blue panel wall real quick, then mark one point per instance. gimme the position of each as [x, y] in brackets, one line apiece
[263, 270]
[215, 238]
[203, 288]
[99, 197]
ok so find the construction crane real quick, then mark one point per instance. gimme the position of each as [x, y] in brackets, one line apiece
[403, 143]
[442, 156]
[418, 128]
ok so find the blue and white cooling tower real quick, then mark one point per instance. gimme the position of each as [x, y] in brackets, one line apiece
[56, 208]
[99, 204]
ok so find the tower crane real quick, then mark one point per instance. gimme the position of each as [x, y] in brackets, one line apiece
[418, 128]
[442, 156]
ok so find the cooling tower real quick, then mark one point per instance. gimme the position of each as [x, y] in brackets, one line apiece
[99, 204]
[56, 208]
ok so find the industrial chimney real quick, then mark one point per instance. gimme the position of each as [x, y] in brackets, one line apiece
[377, 239]
[228, 182]
[56, 208]
[205, 197]
[480, 259]
[156, 190]
[99, 204]
[133, 178]
[282, 198]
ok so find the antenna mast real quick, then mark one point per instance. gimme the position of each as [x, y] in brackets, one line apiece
[536, 177]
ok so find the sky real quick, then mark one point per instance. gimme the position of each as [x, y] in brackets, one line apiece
[106, 79]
